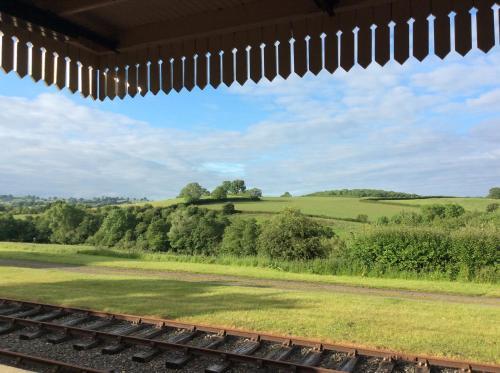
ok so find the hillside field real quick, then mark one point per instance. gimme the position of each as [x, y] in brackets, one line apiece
[338, 207]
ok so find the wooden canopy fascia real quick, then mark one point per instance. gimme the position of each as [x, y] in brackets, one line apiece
[256, 40]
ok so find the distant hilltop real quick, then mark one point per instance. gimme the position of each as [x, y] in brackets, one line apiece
[360, 193]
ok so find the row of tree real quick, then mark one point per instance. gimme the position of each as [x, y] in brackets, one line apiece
[194, 192]
[182, 229]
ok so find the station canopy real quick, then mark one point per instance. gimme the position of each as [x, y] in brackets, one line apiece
[114, 48]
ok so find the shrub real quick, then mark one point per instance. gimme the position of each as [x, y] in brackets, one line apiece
[240, 238]
[492, 207]
[292, 236]
[228, 209]
[468, 252]
[362, 218]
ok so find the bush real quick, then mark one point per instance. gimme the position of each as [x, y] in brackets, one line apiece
[492, 207]
[362, 218]
[240, 238]
[228, 209]
[286, 195]
[466, 252]
[292, 236]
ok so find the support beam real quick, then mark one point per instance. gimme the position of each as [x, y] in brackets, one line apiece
[258, 13]
[72, 7]
[51, 21]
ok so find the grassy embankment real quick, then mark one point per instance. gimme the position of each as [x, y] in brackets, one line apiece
[244, 267]
[466, 331]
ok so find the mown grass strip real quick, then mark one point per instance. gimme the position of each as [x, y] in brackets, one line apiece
[65, 254]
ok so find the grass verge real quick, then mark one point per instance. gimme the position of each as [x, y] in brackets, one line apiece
[79, 255]
[438, 328]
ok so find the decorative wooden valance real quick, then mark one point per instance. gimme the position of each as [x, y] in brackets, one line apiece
[114, 48]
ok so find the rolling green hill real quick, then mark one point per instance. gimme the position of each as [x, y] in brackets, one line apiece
[336, 207]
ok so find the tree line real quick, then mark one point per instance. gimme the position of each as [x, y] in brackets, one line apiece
[194, 192]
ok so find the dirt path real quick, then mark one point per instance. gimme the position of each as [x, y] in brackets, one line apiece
[226, 280]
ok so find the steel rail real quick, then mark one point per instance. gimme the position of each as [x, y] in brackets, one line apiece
[59, 365]
[167, 346]
[420, 360]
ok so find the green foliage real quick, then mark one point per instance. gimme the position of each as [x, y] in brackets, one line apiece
[192, 192]
[286, 195]
[196, 231]
[437, 211]
[237, 187]
[157, 234]
[362, 193]
[219, 193]
[292, 236]
[254, 193]
[492, 207]
[494, 193]
[118, 226]
[240, 238]
[64, 221]
[362, 218]
[228, 209]
[12, 229]
[463, 253]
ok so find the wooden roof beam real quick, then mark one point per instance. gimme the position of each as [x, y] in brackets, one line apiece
[52, 21]
[245, 16]
[327, 5]
[73, 7]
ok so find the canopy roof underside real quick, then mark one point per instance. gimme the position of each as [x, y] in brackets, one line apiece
[114, 48]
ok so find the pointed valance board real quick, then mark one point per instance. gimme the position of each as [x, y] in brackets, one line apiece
[114, 48]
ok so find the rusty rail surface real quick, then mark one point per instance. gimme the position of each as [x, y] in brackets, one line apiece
[57, 366]
[422, 364]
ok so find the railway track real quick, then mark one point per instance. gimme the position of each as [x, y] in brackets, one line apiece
[125, 343]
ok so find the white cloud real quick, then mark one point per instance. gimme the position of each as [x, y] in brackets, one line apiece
[400, 128]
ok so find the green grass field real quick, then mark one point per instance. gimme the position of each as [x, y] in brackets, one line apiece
[79, 255]
[338, 207]
[471, 204]
[466, 331]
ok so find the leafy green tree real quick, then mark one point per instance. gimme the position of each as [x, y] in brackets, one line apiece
[228, 209]
[192, 192]
[196, 231]
[494, 193]
[240, 237]
[157, 235]
[219, 193]
[254, 193]
[64, 220]
[290, 235]
[118, 224]
[492, 207]
[237, 186]
[286, 195]
[227, 185]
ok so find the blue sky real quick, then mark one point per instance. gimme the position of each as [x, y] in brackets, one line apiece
[428, 128]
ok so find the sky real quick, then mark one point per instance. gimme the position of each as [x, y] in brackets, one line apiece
[431, 128]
